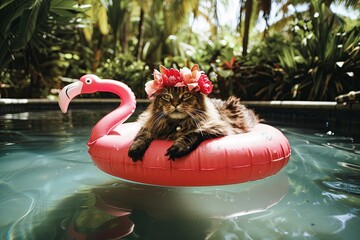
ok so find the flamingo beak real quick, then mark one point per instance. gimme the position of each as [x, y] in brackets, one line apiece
[68, 93]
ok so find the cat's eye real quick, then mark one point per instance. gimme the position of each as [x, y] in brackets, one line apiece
[186, 96]
[166, 97]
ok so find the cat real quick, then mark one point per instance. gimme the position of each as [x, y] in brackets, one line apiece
[188, 118]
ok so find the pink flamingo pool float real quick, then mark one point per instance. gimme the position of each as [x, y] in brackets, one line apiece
[260, 153]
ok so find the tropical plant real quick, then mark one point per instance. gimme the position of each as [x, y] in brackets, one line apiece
[127, 69]
[30, 32]
[162, 23]
[118, 12]
[326, 61]
[279, 68]
[249, 10]
[267, 50]
[258, 75]
[216, 58]
[122, 39]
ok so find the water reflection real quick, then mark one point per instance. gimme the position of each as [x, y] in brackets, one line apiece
[123, 207]
[50, 189]
[44, 132]
[94, 224]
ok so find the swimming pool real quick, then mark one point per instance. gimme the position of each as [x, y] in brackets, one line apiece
[50, 189]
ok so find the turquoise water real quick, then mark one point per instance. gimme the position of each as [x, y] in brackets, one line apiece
[50, 189]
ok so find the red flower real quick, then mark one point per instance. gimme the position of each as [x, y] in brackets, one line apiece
[205, 84]
[171, 77]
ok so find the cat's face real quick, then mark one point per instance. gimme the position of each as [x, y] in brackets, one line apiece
[179, 102]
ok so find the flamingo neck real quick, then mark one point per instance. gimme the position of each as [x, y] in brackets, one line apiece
[119, 115]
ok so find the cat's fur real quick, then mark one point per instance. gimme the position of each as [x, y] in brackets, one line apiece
[188, 118]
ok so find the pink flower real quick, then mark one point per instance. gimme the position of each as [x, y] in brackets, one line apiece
[205, 84]
[150, 88]
[191, 77]
[171, 77]
[155, 85]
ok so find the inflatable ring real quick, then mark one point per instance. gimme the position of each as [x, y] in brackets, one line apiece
[262, 152]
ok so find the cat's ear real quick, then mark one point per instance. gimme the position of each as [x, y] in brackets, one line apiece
[195, 67]
[162, 69]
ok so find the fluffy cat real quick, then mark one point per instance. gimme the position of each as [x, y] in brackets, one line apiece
[188, 118]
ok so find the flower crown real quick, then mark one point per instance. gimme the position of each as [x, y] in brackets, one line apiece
[194, 79]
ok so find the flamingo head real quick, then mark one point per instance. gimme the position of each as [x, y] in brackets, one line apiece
[87, 84]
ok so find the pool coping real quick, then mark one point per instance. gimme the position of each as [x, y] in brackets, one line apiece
[11, 105]
[328, 105]
[327, 116]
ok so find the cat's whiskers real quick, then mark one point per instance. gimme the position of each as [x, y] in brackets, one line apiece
[197, 119]
[158, 117]
[200, 112]
[200, 115]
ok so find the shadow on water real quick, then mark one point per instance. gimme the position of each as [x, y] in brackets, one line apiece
[137, 211]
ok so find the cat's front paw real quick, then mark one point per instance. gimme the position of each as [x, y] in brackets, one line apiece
[176, 151]
[137, 151]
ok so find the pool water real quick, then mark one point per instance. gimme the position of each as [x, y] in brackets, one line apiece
[50, 189]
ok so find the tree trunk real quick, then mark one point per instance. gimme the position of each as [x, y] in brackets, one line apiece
[241, 3]
[141, 35]
[125, 34]
[97, 54]
[248, 11]
[266, 8]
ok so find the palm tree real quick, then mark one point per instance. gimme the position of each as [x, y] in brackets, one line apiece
[251, 9]
[162, 21]
[248, 12]
[118, 13]
[140, 38]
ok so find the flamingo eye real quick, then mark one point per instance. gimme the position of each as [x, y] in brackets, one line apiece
[88, 80]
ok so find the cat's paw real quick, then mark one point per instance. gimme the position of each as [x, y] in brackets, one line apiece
[136, 152]
[176, 151]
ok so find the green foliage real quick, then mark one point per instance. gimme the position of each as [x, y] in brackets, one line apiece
[325, 61]
[267, 51]
[126, 69]
[318, 62]
[40, 40]
[254, 77]
[31, 35]
[216, 58]
[28, 81]
[117, 12]
[31, 23]
[258, 75]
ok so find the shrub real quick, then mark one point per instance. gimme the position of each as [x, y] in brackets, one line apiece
[325, 62]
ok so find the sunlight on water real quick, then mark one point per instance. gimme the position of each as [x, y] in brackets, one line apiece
[50, 189]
